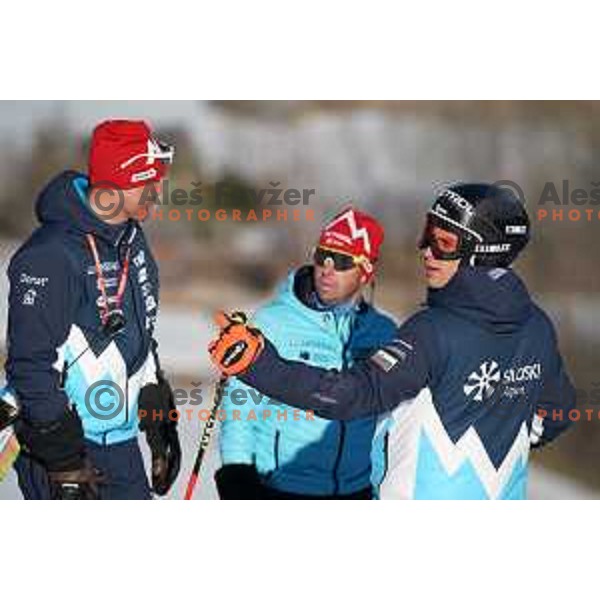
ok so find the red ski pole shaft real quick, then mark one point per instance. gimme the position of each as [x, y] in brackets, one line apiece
[205, 439]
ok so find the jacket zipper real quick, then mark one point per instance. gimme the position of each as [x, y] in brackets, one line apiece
[135, 296]
[276, 449]
[338, 458]
[386, 459]
[271, 474]
[342, 438]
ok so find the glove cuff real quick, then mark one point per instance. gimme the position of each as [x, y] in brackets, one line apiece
[156, 399]
[239, 482]
[58, 445]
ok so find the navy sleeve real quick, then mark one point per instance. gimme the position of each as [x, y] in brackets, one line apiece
[43, 296]
[558, 398]
[394, 373]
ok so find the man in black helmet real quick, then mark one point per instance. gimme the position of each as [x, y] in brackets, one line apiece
[470, 382]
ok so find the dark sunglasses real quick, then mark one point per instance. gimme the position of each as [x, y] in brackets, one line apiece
[341, 262]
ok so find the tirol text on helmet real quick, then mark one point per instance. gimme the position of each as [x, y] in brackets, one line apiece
[490, 224]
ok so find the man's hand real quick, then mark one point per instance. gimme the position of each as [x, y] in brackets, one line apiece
[156, 400]
[237, 345]
[59, 447]
[78, 484]
[239, 482]
[166, 457]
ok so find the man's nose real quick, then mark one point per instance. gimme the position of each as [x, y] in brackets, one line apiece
[328, 267]
[427, 253]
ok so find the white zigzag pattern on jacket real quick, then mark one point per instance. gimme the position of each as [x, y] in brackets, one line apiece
[109, 363]
[470, 447]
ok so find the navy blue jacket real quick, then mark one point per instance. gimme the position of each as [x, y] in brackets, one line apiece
[464, 380]
[56, 346]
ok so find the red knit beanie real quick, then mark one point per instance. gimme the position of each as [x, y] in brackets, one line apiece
[124, 154]
[355, 233]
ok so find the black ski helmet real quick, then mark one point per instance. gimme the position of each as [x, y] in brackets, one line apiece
[490, 221]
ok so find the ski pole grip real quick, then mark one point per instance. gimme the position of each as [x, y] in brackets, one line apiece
[223, 319]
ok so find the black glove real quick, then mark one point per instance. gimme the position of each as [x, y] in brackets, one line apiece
[156, 401]
[59, 447]
[239, 482]
[78, 484]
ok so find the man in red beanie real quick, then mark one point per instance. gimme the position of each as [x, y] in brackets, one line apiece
[319, 316]
[82, 358]
[125, 160]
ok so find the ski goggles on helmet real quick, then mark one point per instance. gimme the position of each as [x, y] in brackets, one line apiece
[446, 239]
[341, 261]
[165, 153]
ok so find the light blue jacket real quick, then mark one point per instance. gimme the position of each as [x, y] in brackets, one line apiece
[295, 451]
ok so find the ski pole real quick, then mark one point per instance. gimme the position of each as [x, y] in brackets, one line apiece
[234, 317]
[205, 439]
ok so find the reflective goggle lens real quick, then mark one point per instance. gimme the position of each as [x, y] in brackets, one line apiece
[444, 244]
[341, 262]
[167, 153]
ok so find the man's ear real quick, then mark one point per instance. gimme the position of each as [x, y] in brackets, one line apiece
[364, 279]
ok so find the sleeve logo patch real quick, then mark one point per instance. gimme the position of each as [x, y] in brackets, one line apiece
[384, 360]
[31, 280]
[29, 297]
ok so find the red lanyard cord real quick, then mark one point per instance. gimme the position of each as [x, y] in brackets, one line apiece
[102, 282]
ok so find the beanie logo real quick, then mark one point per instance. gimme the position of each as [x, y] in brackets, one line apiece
[356, 233]
[144, 175]
[154, 152]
